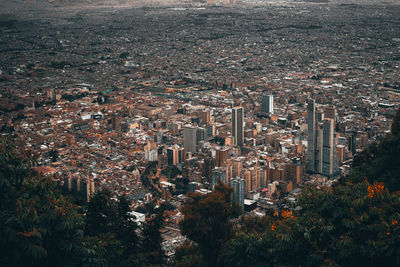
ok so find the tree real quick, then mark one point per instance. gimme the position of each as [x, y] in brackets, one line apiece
[353, 223]
[207, 222]
[188, 255]
[39, 227]
[150, 243]
[347, 225]
[396, 123]
[379, 162]
[110, 222]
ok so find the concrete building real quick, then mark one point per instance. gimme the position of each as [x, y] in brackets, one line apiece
[221, 156]
[328, 148]
[267, 104]
[218, 174]
[151, 155]
[205, 117]
[175, 155]
[238, 186]
[238, 126]
[190, 138]
[201, 134]
[322, 156]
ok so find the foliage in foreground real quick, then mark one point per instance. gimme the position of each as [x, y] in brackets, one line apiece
[38, 226]
[354, 223]
[41, 227]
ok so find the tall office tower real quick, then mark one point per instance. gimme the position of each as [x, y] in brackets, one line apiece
[238, 191]
[210, 129]
[312, 136]
[328, 147]
[206, 116]
[237, 167]
[221, 156]
[322, 156]
[247, 177]
[254, 181]
[267, 104]
[175, 155]
[238, 126]
[218, 174]
[189, 138]
[201, 134]
[171, 156]
[352, 143]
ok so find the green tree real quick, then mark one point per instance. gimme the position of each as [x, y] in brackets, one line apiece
[38, 226]
[151, 239]
[396, 123]
[188, 255]
[207, 221]
[110, 222]
[356, 222]
[379, 162]
[347, 225]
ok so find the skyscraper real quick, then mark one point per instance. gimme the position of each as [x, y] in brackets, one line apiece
[218, 174]
[352, 143]
[175, 155]
[221, 156]
[328, 147]
[238, 191]
[205, 116]
[238, 126]
[201, 134]
[321, 150]
[312, 136]
[267, 104]
[189, 138]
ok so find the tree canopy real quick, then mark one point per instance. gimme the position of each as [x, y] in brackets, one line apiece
[353, 223]
[207, 222]
[38, 226]
[41, 227]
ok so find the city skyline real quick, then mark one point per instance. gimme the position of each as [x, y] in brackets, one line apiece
[213, 133]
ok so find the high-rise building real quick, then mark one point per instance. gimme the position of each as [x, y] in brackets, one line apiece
[352, 143]
[328, 147]
[238, 186]
[237, 167]
[201, 134]
[267, 104]
[206, 116]
[312, 136]
[218, 174]
[171, 157]
[340, 150]
[238, 126]
[322, 156]
[85, 187]
[150, 155]
[210, 129]
[252, 179]
[175, 155]
[221, 156]
[190, 138]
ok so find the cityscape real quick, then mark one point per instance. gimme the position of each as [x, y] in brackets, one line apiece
[168, 103]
